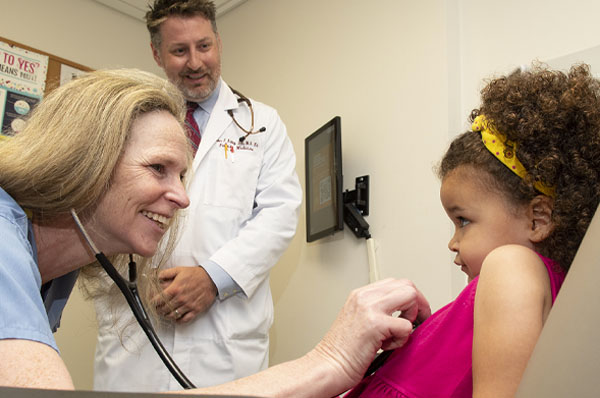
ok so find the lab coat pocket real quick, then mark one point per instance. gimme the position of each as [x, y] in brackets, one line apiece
[232, 178]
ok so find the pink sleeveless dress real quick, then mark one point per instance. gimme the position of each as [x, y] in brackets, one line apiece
[436, 361]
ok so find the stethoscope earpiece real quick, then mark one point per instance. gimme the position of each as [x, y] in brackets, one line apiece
[260, 130]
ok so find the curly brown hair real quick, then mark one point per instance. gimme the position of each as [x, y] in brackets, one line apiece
[554, 117]
[162, 9]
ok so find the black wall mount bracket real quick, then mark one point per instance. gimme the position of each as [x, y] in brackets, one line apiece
[356, 206]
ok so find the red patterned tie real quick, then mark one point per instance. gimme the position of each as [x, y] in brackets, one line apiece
[192, 126]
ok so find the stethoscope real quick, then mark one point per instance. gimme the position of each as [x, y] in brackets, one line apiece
[243, 98]
[130, 291]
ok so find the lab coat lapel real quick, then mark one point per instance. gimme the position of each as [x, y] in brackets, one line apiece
[217, 123]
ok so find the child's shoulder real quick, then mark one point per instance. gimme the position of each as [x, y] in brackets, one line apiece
[515, 277]
[515, 264]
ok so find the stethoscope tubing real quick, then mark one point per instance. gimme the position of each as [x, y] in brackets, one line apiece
[130, 292]
[243, 98]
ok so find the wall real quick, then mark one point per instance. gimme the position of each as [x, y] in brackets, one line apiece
[83, 31]
[403, 76]
[497, 37]
[382, 67]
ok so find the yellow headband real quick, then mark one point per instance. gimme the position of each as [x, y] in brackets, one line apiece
[505, 151]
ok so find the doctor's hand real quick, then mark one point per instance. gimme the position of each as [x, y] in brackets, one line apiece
[187, 292]
[365, 324]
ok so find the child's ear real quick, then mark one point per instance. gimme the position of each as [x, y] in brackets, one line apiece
[540, 215]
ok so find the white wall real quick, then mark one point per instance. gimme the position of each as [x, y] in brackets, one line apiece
[498, 36]
[82, 31]
[382, 67]
[403, 76]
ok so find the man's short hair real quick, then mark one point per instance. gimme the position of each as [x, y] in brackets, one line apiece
[162, 9]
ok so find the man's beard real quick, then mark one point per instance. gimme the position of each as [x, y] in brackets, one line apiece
[198, 94]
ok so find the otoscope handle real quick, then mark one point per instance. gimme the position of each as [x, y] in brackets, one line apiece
[137, 308]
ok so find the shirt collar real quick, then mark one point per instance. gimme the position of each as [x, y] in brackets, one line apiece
[208, 104]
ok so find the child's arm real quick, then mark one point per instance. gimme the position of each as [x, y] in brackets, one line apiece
[511, 304]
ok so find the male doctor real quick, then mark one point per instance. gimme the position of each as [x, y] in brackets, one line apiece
[245, 198]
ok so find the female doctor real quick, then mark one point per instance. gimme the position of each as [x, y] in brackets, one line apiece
[110, 148]
[243, 213]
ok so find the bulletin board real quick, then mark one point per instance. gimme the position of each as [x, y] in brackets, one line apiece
[26, 75]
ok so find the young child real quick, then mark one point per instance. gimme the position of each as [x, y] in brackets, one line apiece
[521, 188]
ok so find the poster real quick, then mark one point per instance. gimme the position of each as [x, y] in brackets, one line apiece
[22, 84]
[68, 73]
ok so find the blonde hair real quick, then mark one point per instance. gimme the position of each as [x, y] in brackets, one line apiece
[66, 154]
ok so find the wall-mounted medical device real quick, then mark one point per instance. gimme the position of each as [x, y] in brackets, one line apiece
[323, 163]
[327, 208]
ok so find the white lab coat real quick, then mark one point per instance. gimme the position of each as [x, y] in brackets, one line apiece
[243, 214]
